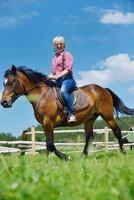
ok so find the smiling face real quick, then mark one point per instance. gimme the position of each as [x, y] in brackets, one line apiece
[59, 46]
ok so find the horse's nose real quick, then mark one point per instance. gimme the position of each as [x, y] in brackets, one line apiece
[4, 103]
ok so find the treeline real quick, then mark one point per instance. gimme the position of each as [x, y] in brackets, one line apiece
[125, 123]
[7, 137]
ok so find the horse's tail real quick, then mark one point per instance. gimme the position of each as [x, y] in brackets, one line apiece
[119, 105]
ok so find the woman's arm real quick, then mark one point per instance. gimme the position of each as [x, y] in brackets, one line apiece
[63, 73]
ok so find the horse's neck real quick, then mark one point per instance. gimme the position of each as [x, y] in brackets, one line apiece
[38, 92]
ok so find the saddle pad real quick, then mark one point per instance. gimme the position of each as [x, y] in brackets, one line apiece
[82, 100]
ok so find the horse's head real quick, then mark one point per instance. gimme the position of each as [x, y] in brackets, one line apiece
[20, 81]
[12, 87]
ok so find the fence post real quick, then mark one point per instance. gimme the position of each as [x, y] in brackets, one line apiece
[33, 139]
[106, 138]
[23, 146]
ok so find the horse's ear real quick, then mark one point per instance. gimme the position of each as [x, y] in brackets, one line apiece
[13, 70]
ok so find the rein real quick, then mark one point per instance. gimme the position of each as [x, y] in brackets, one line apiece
[29, 90]
[34, 87]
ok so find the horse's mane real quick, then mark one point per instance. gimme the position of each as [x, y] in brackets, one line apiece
[34, 76]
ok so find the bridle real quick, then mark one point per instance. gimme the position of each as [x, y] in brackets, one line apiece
[17, 84]
[30, 89]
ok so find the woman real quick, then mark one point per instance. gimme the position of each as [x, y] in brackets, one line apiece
[62, 64]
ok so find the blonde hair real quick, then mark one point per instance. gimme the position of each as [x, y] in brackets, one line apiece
[59, 39]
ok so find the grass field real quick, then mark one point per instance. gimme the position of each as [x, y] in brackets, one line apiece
[101, 176]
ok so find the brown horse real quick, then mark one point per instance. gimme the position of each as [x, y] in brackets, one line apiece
[36, 87]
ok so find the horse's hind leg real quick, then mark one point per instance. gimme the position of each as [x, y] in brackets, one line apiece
[116, 130]
[104, 107]
[89, 136]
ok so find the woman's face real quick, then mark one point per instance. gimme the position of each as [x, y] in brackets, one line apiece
[59, 46]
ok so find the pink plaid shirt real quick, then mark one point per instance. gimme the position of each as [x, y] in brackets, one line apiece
[57, 67]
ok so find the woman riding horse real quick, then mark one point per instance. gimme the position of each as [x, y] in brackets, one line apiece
[34, 85]
[62, 65]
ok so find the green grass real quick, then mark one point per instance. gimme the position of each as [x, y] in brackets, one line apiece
[101, 176]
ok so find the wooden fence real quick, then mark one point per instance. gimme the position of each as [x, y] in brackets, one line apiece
[35, 146]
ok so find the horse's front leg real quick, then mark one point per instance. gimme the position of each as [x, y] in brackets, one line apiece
[49, 131]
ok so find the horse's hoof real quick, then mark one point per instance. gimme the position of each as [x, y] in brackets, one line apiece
[67, 158]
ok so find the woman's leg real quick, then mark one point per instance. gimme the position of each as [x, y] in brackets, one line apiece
[67, 88]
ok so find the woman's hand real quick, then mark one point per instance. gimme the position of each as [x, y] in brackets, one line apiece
[55, 77]
[51, 76]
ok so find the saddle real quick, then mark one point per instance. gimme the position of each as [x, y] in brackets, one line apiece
[81, 100]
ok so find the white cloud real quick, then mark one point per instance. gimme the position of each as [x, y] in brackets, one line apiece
[15, 3]
[28, 16]
[8, 21]
[98, 77]
[121, 67]
[118, 68]
[117, 17]
[13, 21]
[18, 12]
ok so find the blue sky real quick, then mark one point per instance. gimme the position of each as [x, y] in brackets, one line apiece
[99, 34]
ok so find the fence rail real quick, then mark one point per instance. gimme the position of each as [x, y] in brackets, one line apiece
[34, 146]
